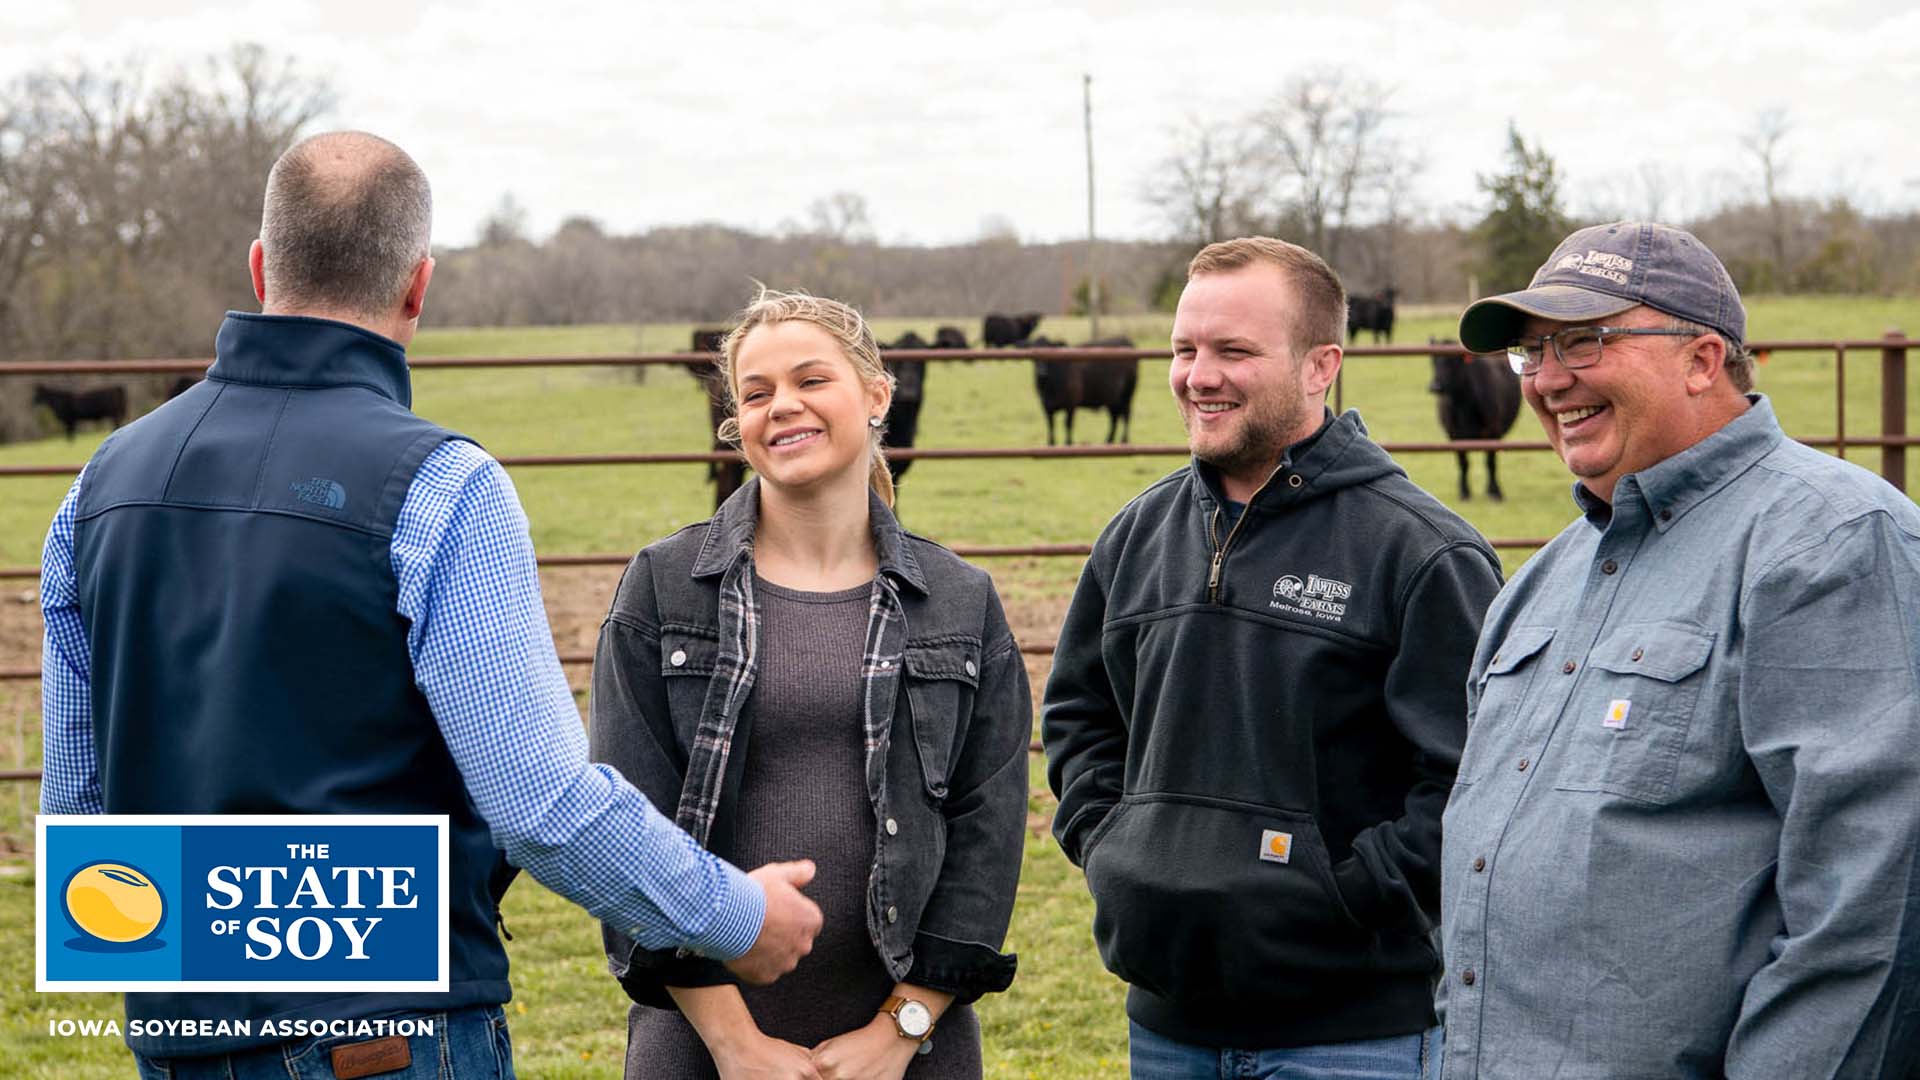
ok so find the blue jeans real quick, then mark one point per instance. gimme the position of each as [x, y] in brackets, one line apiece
[1402, 1057]
[468, 1044]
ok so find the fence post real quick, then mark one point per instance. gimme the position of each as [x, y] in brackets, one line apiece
[1893, 409]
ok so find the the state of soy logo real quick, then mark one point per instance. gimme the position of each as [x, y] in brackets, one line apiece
[242, 903]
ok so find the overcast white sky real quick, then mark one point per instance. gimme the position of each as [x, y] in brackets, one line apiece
[946, 114]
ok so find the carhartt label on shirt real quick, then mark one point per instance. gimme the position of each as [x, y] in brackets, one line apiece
[1276, 846]
[1616, 717]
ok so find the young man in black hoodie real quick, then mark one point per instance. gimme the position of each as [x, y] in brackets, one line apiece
[1258, 703]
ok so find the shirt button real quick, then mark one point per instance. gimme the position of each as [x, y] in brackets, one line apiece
[893, 914]
[1567, 668]
[1666, 515]
[1609, 566]
[1295, 481]
[893, 827]
[1638, 653]
[971, 670]
[679, 658]
[886, 665]
[1496, 660]
[1467, 976]
[1479, 864]
[1523, 764]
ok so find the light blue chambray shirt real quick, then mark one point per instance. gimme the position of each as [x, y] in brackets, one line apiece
[484, 658]
[1682, 841]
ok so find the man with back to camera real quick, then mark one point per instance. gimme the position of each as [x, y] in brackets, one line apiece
[1256, 706]
[1682, 840]
[283, 593]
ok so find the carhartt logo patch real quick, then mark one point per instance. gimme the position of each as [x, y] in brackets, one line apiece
[1617, 711]
[1276, 846]
[1323, 598]
[320, 491]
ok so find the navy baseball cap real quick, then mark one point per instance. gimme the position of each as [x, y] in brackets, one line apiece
[1606, 269]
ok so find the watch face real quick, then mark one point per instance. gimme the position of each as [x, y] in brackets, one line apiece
[914, 1019]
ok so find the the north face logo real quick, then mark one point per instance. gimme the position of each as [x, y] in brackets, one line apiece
[320, 491]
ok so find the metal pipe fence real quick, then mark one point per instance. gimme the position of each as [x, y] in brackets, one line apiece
[1892, 440]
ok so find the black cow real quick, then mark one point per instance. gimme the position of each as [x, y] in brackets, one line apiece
[72, 407]
[997, 331]
[1373, 313]
[909, 390]
[949, 337]
[727, 476]
[1479, 398]
[1066, 385]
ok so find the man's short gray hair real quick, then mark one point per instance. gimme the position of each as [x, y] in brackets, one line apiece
[348, 216]
[1739, 362]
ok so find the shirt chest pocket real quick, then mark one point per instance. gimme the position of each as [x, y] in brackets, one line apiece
[1626, 729]
[942, 678]
[688, 659]
[1500, 715]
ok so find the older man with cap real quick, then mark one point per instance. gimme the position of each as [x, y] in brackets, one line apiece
[1682, 839]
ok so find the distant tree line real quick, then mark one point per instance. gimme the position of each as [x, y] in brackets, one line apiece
[127, 202]
[1324, 163]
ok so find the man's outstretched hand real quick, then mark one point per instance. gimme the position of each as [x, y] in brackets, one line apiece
[791, 922]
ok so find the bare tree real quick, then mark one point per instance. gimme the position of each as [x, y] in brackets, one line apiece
[1209, 183]
[125, 207]
[1330, 156]
[506, 224]
[1762, 141]
[1644, 194]
[840, 217]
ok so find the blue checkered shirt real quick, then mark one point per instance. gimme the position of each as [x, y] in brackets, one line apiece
[484, 658]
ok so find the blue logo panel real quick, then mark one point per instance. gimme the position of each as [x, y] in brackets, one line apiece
[242, 903]
[83, 866]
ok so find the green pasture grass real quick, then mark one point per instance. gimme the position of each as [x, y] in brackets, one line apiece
[1063, 1016]
[987, 403]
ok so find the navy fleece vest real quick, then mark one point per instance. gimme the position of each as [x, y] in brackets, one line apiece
[232, 551]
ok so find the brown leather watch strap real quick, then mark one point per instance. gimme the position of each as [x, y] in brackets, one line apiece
[891, 1008]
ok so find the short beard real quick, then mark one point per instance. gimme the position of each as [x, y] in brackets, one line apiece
[1263, 439]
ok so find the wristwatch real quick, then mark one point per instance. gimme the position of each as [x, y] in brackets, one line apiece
[911, 1019]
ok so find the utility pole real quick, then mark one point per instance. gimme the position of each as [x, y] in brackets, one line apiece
[1093, 271]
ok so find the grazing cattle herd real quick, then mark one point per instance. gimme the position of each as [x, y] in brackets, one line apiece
[1066, 385]
[1478, 396]
[1479, 399]
[74, 407]
[999, 331]
[1374, 313]
[727, 476]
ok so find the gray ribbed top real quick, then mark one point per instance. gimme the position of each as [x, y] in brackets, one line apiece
[803, 794]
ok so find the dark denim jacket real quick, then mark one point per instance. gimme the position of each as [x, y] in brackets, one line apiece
[947, 763]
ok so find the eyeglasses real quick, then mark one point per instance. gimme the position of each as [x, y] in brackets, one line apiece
[1576, 346]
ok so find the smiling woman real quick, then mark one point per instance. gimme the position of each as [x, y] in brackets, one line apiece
[809, 395]
[805, 680]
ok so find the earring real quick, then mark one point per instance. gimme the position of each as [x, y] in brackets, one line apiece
[874, 422]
